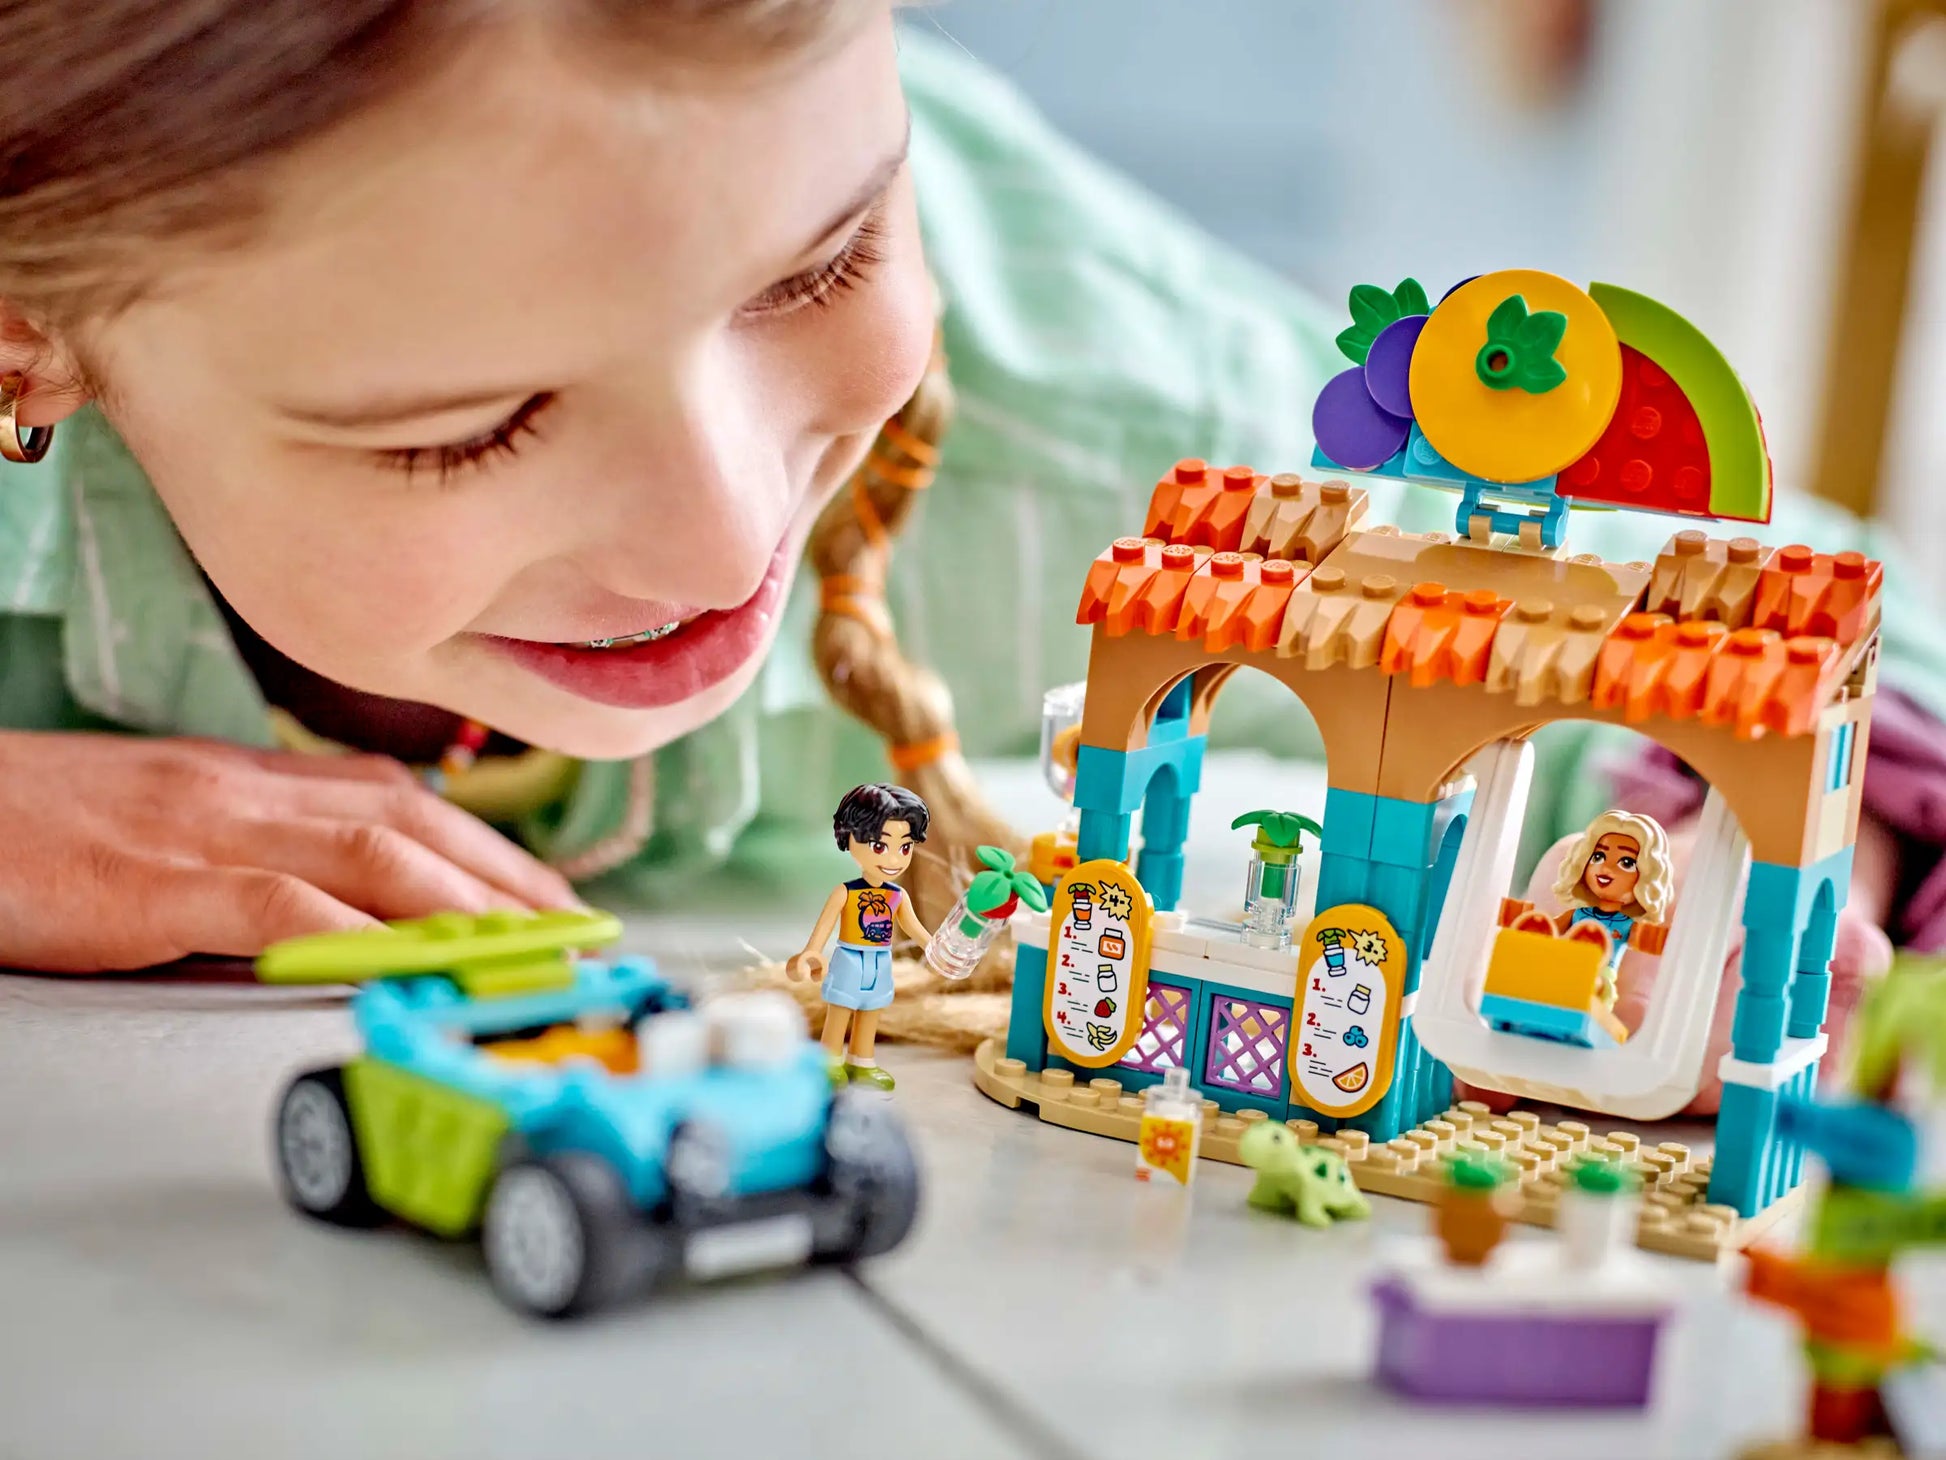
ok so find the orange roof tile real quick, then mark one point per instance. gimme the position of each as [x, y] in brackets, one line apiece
[1830, 596]
[1440, 634]
[1238, 599]
[1197, 505]
[1114, 578]
[1762, 682]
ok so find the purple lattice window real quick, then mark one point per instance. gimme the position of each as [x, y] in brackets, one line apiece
[1246, 1046]
[1164, 1040]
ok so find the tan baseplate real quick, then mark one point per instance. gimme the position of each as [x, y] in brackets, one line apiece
[1676, 1217]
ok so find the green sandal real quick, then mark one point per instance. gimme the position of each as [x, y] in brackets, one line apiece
[874, 1075]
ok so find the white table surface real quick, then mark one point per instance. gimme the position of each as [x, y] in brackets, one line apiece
[159, 1301]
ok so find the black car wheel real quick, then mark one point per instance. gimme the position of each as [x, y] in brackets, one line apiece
[872, 1171]
[698, 1167]
[317, 1152]
[561, 1236]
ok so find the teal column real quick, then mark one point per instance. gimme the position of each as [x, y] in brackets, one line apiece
[1026, 1034]
[1161, 778]
[1398, 857]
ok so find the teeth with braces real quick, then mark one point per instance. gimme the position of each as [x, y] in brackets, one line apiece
[647, 636]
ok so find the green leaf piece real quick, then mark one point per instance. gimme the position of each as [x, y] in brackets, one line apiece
[1602, 1176]
[1372, 309]
[1000, 884]
[1280, 834]
[1478, 1173]
[1901, 1021]
[1541, 332]
[1410, 296]
[1503, 325]
[1519, 349]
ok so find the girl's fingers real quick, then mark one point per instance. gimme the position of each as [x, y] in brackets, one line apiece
[519, 878]
[364, 865]
[232, 912]
[378, 791]
[466, 841]
[381, 769]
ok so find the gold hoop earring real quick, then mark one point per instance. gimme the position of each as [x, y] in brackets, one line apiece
[17, 444]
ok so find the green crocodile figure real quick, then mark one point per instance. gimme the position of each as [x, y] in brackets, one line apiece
[1309, 1181]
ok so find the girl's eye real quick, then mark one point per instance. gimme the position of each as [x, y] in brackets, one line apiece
[475, 451]
[1597, 857]
[906, 850]
[879, 847]
[849, 267]
[1628, 864]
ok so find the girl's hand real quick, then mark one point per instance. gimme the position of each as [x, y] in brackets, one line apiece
[117, 852]
[804, 965]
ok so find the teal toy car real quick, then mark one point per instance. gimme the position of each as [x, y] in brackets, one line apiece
[598, 1135]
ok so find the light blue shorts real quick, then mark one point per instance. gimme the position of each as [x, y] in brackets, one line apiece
[859, 977]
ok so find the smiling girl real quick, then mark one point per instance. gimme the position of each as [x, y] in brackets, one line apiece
[460, 383]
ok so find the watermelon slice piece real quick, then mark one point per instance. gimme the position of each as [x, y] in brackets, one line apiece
[1738, 485]
[1653, 456]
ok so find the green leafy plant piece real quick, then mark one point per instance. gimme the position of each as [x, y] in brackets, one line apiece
[1280, 834]
[1478, 1173]
[1519, 352]
[1901, 1022]
[1279, 842]
[1602, 1176]
[1372, 309]
[996, 887]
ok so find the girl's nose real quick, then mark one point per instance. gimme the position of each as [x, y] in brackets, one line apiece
[700, 524]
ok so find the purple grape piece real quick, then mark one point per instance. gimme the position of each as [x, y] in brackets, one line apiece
[1388, 366]
[1351, 428]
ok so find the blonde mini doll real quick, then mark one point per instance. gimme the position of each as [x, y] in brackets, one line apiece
[1618, 877]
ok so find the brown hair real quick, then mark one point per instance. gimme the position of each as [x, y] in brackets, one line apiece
[858, 654]
[129, 124]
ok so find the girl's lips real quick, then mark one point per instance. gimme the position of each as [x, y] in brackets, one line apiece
[660, 672]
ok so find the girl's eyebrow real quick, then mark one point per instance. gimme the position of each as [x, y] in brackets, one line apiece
[393, 410]
[879, 179]
[397, 409]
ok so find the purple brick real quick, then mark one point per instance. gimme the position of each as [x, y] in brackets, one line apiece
[1530, 1357]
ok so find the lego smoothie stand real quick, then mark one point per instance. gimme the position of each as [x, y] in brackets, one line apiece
[600, 1137]
[1427, 661]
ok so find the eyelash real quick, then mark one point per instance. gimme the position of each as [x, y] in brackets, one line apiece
[503, 439]
[818, 288]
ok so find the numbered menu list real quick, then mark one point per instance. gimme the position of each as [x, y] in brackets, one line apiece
[1345, 997]
[1094, 978]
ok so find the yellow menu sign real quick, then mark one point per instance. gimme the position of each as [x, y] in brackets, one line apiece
[1097, 963]
[1351, 968]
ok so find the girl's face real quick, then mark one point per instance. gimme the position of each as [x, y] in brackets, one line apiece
[1611, 873]
[546, 352]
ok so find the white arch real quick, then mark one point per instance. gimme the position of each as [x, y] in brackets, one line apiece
[1659, 1069]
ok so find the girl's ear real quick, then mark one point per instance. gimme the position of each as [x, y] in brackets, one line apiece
[55, 386]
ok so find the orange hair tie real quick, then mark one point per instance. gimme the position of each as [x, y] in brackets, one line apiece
[838, 585]
[868, 518]
[908, 758]
[912, 478]
[920, 450]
